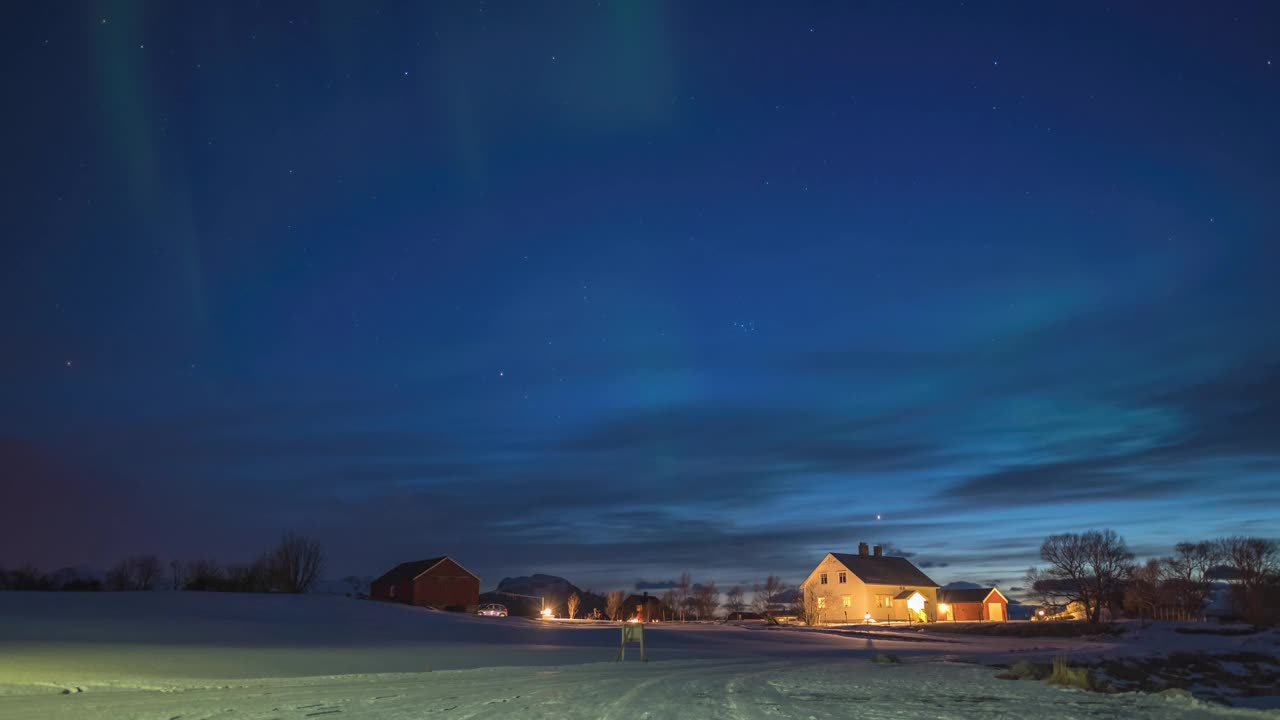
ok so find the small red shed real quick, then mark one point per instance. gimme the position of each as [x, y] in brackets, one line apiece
[437, 582]
[973, 605]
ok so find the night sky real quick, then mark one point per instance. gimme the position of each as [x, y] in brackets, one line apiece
[616, 290]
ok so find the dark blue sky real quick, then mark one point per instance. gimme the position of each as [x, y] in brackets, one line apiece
[615, 290]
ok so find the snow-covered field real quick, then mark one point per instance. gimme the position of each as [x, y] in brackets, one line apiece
[206, 655]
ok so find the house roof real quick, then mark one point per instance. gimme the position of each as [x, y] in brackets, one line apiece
[905, 595]
[966, 595]
[884, 570]
[410, 570]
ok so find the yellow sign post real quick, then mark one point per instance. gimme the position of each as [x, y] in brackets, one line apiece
[632, 632]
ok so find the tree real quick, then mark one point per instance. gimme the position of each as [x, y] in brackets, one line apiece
[147, 571]
[681, 594]
[176, 574]
[296, 563]
[765, 596]
[572, 604]
[258, 576]
[120, 577]
[1087, 567]
[1254, 563]
[733, 601]
[203, 575]
[1145, 587]
[668, 603]
[613, 604]
[706, 600]
[25, 578]
[137, 572]
[1189, 574]
[809, 608]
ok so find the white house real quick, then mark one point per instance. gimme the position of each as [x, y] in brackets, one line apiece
[871, 586]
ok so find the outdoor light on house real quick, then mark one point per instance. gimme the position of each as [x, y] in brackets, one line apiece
[944, 608]
[546, 613]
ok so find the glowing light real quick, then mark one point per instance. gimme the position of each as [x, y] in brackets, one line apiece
[943, 607]
[1040, 613]
[915, 602]
[546, 612]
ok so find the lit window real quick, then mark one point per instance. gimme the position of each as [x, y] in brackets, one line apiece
[884, 601]
[822, 579]
[842, 577]
[846, 601]
[393, 591]
[822, 603]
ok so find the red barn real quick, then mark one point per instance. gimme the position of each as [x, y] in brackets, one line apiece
[973, 605]
[436, 582]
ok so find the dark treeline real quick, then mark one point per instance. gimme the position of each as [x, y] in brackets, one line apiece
[1097, 570]
[292, 566]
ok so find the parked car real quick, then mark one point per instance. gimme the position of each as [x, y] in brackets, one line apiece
[493, 610]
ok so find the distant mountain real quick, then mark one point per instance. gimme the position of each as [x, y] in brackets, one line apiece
[525, 596]
[539, 585]
[962, 585]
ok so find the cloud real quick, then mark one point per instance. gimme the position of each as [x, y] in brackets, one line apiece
[656, 584]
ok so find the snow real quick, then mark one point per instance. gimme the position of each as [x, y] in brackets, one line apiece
[197, 655]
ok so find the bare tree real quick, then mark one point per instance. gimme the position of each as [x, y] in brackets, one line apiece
[668, 601]
[809, 609]
[1188, 574]
[1145, 588]
[259, 576]
[733, 600]
[572, 603]
[613, 604]
[120, 577]
[1254, 563]
[296, 563]
[147, 571]
[137, 572]
[681, 591]
[706, 600]
[765, 596]
[203, 575]
[1085, 567]
[176, 574]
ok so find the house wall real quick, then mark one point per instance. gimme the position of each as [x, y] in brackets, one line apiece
[446, 585]
[863, 597]
[382, 591]
[899, 613]
[986, 607]
[976, 612]
[834, 592]
[965, 612]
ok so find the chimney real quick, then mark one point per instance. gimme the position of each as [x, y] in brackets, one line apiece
[879, 551]
[862, 549]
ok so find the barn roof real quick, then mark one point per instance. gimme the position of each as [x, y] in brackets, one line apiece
[884, 570]
[410, 570]
[965, 595]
